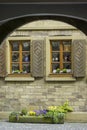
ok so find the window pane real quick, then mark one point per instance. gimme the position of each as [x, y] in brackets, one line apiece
[26, 57]
[67, 65]
[55, 67]
[67, 56]
[15, 68]
[55, 45]
[15, 57]
[55, 57]
[26, 68]
[61, 56]
[25, 45]
[15, 46]
[67, 45]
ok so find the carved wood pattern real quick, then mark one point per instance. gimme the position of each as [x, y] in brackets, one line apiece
[3, 60]
[37, 58]
[79, 53]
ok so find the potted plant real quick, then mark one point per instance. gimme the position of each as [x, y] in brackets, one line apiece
[64, 70]
[58, 70]
[16, 71]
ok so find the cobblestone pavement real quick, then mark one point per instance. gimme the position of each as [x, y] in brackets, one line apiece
[29, 126]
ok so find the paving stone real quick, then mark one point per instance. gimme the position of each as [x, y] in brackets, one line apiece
[28, 126]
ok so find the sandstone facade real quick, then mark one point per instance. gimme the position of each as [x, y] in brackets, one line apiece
[40, 93]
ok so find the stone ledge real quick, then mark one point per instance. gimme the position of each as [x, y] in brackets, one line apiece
[60, 79]
[19, 79]
[73, 117]
[77, 117]
[4, 115]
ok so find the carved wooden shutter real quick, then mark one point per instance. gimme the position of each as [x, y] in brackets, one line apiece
[37, 58]
[79, 53]
[2, 60]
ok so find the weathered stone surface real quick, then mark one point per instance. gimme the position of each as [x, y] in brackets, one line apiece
[39, 93]
[15, 97]
[19, 96]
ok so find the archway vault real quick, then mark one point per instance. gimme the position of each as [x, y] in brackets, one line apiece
[8, 26]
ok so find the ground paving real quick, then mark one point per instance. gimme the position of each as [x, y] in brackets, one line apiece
[28, 126]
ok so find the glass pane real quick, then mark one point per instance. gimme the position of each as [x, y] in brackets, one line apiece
[26, 68]
[15, 46]
[67, 45]
[26, 45]
[55, 45]
[55, 67]
[26, 57]
[67, 65]
[55, 57]
[15, 68]
[15, 57]
[67, 56]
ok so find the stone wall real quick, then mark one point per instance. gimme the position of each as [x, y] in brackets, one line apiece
[40, 93]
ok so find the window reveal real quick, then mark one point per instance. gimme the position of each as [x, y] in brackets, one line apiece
[61, 56]
[20, 57]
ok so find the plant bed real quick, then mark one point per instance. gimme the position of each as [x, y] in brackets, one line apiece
[54, 114]
[33, 119]
[30, 119]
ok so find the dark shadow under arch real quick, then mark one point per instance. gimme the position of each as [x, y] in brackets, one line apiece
[8, 26]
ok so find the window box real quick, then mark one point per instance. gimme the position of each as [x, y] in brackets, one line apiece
[60, 75]
[30, 119]
[33, 119]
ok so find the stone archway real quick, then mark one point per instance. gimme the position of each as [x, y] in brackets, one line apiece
[21, 21]
[10, 25]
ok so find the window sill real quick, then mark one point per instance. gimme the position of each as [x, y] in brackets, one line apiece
[19, 78]
[60, 78]
[60, 75]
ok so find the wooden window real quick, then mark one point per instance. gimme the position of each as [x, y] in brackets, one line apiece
[61, 62]
[20, 57]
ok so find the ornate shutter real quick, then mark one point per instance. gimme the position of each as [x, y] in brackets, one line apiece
[37, 58]
[3, 60]
[79, 58]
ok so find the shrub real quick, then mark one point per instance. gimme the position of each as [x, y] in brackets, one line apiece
[24, 111]
[67, 107]
[14, 116]
[55, 116]
[57, 113]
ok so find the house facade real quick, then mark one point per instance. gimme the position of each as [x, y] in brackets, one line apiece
[43, 63]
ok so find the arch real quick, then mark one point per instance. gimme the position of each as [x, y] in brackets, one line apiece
[9, 25]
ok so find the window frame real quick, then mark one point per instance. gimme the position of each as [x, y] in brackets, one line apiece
[17, 77]
[48, 75]
[20, 57]
[61, 62]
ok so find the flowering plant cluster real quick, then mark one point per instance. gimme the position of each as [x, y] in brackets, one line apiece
[31, 113]
[37, 112]
[55, 113]
[59, 109]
